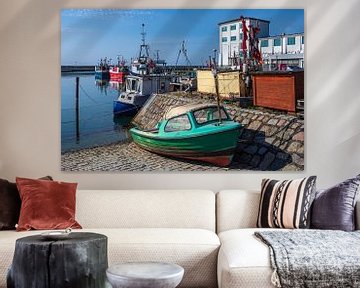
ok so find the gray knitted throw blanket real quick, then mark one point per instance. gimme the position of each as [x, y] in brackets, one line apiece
[313, 258]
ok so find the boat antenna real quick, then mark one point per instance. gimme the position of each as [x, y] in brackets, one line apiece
[157, 54]
[143, 33]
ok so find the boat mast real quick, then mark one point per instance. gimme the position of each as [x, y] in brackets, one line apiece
[215, 73]
[144, 48]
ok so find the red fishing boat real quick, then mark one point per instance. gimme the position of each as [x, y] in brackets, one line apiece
[119, 71]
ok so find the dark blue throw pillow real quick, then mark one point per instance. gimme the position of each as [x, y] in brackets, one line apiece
[334, 208]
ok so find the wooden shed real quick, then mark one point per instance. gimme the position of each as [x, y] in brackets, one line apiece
[231, 84]
[278, 89]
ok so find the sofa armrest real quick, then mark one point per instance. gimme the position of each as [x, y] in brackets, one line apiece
[357, 215]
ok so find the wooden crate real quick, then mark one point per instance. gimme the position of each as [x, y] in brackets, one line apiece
[278, 90]
[205, 81]
[231, 84]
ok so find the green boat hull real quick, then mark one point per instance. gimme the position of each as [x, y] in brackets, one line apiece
[214, 143]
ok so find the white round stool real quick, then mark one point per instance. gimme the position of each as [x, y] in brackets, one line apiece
[145, 275]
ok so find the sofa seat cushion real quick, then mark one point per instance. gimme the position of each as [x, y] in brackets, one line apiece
[244, 261]
[196, 250]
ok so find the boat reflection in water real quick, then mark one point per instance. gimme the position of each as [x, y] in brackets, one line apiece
[102, 85]
[122, 125]
[122, 120]
[195, 132]
[116, 85]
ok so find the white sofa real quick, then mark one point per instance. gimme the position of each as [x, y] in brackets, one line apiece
[243, 261]
[172, 226]
[175, 226]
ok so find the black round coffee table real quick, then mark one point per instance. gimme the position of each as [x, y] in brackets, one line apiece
[79, 260]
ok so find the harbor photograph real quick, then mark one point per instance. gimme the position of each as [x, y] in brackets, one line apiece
[147, 90]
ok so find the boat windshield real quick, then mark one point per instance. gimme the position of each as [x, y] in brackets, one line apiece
[132, 85]
[179, 123]
[210, 114]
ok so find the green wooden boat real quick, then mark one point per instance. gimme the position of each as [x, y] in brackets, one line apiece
[192, 132]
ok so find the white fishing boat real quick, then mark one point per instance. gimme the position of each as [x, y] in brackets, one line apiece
[137, 90]
[144, 64]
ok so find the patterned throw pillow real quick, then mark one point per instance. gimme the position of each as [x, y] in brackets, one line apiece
[286, 204]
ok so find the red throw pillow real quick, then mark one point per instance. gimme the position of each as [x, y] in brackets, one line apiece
[10, 204]
[46, 204]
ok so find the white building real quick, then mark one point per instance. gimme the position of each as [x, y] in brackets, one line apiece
[231, 37]
[283, 49]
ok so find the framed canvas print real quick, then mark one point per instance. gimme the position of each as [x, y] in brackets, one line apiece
[182, 90]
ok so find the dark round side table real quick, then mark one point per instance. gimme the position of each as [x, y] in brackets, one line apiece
[79, 260]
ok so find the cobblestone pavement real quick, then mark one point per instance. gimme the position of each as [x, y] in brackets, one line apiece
[129, 157]
[126, 157]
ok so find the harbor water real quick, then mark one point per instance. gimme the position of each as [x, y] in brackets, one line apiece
[94, 124]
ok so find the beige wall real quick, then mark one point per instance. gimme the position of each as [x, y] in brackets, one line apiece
[30, 94]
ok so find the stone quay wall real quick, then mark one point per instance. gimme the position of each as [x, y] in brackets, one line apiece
[269, 141]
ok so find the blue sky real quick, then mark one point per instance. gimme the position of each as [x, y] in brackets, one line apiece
[90, 34]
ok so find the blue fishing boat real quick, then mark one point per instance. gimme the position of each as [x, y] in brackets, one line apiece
[137, 91]
[146, 77]
[102, 70]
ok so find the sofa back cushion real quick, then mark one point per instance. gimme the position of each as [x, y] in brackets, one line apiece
[236, 209]
[146, 209]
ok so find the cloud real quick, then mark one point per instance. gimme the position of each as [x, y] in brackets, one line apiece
[105, 13]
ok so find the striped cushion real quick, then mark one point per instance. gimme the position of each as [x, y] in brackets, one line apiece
[286, 204]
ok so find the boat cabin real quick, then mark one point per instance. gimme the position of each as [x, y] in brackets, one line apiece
[192, 116]
[146, 85]
[139, 88]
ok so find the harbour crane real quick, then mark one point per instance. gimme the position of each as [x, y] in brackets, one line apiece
[183, 51]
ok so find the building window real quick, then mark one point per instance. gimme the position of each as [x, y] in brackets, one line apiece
[302, 39]
[277, 42]
[264, 43]
[233, 38]
[233, 27]
[240, 26]
[291, 41]
[224, 39]
[224, 28]
[241, 36]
